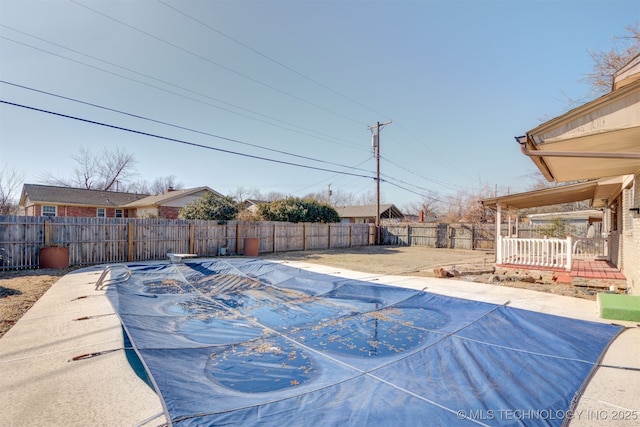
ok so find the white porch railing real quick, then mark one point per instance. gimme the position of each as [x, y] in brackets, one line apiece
[590, 247]
[555, 253]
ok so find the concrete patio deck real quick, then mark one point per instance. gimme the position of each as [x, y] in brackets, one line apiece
[41, 384]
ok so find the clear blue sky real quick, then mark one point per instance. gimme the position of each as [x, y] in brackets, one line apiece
[459, 79]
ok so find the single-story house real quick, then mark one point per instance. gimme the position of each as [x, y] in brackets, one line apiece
[587, 217]
[168, 205]
[585, 223]
[252, 204]
[367, 214]
[598, 142]
[48, 200]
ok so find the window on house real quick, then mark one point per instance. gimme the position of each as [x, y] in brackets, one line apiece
[119, 213]
[101, 213]
[48, 210]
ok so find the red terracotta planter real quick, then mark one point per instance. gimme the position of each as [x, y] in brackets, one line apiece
[251, 247]
[54, 257]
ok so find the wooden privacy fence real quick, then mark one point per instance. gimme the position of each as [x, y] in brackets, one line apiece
[107, 240]
[478, 236]
[450, 236]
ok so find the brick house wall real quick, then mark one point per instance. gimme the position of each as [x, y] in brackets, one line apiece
[33, 210]
[78, 211]
[168, 212]
[631, 237]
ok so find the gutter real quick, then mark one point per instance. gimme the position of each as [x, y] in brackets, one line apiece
[581, 154]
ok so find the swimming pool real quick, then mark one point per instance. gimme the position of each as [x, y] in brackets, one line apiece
[244, 341]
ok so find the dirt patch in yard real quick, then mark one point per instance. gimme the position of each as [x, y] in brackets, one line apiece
[474, 266]
[19, 290]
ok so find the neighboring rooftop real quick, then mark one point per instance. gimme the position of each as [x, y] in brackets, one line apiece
[37, 193]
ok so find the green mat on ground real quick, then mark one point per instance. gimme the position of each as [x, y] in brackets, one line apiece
[619, 307]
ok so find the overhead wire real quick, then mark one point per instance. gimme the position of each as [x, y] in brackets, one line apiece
[331, 178]
[275, 61]
[426, 196]
[321, 85]
[435, 181]
[428, 146]
[217, 100]
[176, 126]
[209, 60]
[180, 141]
[326, 137]
[246, 46]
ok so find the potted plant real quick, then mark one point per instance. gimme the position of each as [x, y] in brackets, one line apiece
[54, 256]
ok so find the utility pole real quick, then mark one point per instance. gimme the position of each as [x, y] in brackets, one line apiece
[375, 142]
[329, 193]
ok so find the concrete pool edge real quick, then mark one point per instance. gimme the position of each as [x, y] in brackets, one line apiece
[42, 386]
[41, 383]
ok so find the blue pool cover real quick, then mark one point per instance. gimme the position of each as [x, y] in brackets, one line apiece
[248, 342]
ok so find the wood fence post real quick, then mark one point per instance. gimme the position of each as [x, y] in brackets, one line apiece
[329, 234]
[192, 243]
[350, 235]
[408, 235]
[473, 236]
[304, 236]
[275, 232]
[47, 233]
[238, 238]
[130, 244]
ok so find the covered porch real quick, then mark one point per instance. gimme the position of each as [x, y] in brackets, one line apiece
[563, 254]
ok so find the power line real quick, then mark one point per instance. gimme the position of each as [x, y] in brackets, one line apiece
[193, 144]
[331, 178]
[430, 148]
[332, 138]
[180, 141]
[224, 67]
[176, 126]
[420, 194]
[435, 181]
[275, 61]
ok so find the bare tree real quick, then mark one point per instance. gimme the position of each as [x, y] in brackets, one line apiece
[162, 184]
[606, 63]
[241, 194]
[430, 204]
[114, 167]
[10, 182]
[108, 170]
[271, 196]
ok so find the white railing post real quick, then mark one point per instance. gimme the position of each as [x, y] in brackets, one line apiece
[569, 252]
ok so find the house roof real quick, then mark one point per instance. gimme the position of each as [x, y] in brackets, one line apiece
[598, 192]
[598, 139]
[161, 199]
[254, 202]
[53, 195]
[627, 74]
[369, 211]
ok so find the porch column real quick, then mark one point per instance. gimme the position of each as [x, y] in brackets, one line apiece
[606, 229]
[569, 253]
[498, 241]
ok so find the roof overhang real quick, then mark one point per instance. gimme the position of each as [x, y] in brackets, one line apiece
[598, 139]
[599, 193]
